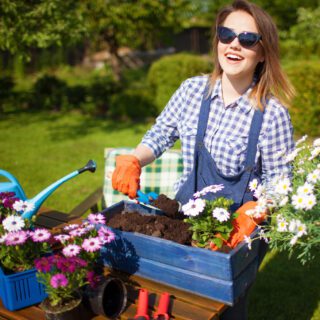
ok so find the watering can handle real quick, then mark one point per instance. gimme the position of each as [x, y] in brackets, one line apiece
[90, 166]
[9, 176]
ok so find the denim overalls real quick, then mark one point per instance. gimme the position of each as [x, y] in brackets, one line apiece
[205, 171]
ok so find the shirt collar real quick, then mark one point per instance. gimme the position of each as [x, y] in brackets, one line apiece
[243, 102]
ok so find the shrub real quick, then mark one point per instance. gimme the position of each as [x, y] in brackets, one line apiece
[49, 93]
[305, 110]
[6, 87]
[76, 96]
[166, 74]
[132, 104]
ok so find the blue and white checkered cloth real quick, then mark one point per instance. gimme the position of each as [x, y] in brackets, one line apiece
[227, 131]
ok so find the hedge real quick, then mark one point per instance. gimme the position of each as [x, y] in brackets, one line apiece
[166, 74]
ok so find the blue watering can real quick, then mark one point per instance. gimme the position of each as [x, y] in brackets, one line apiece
[14, 186]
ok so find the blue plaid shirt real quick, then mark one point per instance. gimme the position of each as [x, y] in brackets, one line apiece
[227, 132]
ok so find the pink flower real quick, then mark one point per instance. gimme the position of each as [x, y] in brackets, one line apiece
[71, 250]
[16, 238]
[71, 227]
[92, 244]
[40, 235]
[8, 202]
[77, 232]
[62, 237]
[4, 195]
[59, 280]
[97, 218]
[93, 279]
[106, 235]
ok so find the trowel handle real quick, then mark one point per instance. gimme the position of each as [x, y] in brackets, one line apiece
[90, 166]
[162, 311]
[142, 312]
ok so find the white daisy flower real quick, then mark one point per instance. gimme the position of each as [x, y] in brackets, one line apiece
[294, 240]
[310, 201]
[253, 185]
[301, 140]
[259, 191]
[314, 153]
[250, 212]
[194, 207]
[283, 187]
[298, 201]
[316, 143]
[301, 229]
[283, 201]
[293, 226]
[306, 189]
[221, 214]
[248, 240]
[313, 176]
[13, 223]
[282, 226]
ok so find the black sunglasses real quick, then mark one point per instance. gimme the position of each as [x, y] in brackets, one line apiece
[246, 39]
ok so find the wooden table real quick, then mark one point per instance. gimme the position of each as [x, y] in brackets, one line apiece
[183, 305]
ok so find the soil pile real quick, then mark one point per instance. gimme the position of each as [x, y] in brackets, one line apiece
[169, 226]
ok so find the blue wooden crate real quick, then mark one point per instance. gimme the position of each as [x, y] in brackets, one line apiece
[20, 290]
[219, 276]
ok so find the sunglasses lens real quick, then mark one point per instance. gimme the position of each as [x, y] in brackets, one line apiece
[226, 35]
[248, 39]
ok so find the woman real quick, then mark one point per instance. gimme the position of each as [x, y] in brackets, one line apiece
[233, 124]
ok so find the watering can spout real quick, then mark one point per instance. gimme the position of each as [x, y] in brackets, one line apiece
[37, 201]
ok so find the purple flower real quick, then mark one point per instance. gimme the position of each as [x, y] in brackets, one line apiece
[97, 218]
[16, 238]
[59, 280]
[92, 244]
[66, 265]
[79, 262]
[93, 279]
[106, 235]
[8, 202]
[40, 235]
[43, 264]
[4, 195]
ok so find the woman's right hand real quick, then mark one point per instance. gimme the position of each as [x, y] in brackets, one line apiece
[126, 176]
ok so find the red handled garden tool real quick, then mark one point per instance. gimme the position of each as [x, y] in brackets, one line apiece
[162, 311]
[142, 312]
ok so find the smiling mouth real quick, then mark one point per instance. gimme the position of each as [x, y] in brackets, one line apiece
[233, 57]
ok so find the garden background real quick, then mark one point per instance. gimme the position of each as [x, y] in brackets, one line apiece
[79, 76]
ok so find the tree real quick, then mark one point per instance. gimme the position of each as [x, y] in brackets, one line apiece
[136, 24]
[27, 24]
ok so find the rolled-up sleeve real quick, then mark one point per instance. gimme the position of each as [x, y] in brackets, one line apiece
[278, 142]
[164, 132]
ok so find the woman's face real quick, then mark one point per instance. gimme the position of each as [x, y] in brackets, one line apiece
[236, 61]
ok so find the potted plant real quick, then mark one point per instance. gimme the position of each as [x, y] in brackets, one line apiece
[295, 204]
[210, 220]
[20, 244]
[72, 266]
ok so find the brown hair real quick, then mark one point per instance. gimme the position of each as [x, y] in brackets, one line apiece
[270, 77]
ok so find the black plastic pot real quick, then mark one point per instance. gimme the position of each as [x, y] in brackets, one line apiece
[109, 298]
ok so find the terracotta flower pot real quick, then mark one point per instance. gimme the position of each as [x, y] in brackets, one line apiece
[70, 310]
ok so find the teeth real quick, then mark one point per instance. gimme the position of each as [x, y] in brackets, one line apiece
[233, 56]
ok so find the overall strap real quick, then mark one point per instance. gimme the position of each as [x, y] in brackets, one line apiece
[203, 116]
[254, 133]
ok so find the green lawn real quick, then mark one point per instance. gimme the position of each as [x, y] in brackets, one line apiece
[39, 148]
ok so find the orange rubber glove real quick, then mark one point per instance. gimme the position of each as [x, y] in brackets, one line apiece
[126, 176]
[243, 225]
